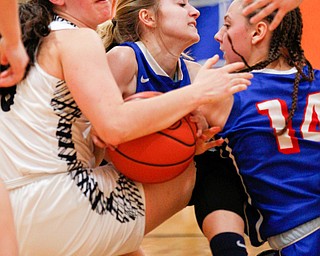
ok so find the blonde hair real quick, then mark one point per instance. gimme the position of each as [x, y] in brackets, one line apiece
[125, 25]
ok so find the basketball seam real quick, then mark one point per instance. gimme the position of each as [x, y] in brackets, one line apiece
[182, 142]
[158, 165]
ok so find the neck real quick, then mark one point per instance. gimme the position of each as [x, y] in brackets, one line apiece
[167, 60]
[60, 19]
[71, 19]
[280, 64]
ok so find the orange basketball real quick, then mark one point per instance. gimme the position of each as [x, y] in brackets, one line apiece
[157, 157]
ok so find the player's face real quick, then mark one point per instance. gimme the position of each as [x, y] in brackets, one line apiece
[177, 20]
[90, 13]
[237, 27]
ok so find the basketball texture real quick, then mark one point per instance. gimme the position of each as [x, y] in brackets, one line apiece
[157, 157]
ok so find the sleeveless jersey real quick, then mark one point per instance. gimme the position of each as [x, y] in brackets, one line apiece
[151, 77]
[280, 172]
[42, 128]
[62, 204]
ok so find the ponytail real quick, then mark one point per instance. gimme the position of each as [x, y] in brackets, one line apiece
[34, 19]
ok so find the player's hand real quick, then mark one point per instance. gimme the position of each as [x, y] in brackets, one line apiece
[199, 119]
[207, 141]
[217, 84]
[16, 57]
[269, 6]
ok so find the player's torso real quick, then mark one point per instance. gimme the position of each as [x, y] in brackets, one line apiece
[151, 77]
[280, 172]
[42, 130]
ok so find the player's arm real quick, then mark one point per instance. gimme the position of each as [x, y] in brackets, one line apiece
[8, 241]
[205, 134]
[125, 71]
[217, 114]
[93, 87]
[269, 6]
[9, 22]
[12, 51]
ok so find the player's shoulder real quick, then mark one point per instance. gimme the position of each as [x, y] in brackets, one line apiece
[192, 64]
[193, 68]
[124, 67]
[123, 55]
[76, 39]
[71, 34]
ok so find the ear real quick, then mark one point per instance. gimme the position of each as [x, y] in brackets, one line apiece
[260, 32]
[147, 17]
[57, 2]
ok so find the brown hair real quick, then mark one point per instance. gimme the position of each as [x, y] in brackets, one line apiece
[125, 26]
[286, 43]
[35, 17]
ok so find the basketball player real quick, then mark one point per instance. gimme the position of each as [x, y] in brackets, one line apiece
[8, 241]
[272, 131]
[63, 204]
[153, 36]
[12, 51]
[267, 7]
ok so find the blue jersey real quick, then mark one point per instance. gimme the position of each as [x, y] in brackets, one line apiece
[151, 76]
[281, 173]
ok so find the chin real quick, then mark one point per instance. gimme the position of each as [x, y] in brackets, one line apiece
[229, 60]
[195, 39]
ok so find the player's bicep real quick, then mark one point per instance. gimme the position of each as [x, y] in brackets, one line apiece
[87, 74]
[125, 69]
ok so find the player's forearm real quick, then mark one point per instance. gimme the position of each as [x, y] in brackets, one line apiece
[9, 22]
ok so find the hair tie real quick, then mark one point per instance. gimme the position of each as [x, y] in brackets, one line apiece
[114, 22]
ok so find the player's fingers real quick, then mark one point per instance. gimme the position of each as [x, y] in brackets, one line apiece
[7, 82]
[98, 142]
[214, 143]
[253, 6]
[247, 2]
[263, 13]
[209, 134]
[214, 130]
[9, 77]
[277, 20]
[211, 144]
[205, 136]
[233, 67]
[3, 60]
[244, 75]
[238, 88]
[211, 62]
[239, 81]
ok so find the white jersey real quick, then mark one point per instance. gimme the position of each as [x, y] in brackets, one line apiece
[62, 204]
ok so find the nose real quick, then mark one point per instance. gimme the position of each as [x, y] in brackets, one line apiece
[218, 35]
[194, 12]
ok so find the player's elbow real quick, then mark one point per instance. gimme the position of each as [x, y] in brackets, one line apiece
[114, 134]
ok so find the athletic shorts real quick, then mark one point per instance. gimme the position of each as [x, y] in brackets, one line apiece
[307, 246]
[218, 186]
[84, 212]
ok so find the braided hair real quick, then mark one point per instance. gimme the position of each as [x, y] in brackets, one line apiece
[286, 43]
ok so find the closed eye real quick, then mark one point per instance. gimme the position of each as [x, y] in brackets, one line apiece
[226, 25]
